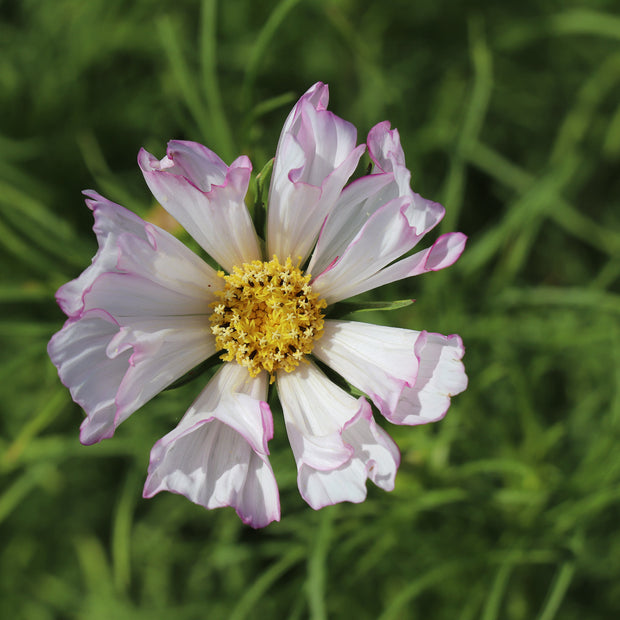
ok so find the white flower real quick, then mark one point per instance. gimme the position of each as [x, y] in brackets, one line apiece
[148, 310]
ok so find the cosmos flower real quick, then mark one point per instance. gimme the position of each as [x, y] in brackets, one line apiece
[148, 310]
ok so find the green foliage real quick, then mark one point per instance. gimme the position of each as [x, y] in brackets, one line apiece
[508, 113]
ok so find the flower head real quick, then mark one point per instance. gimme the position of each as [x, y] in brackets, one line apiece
[148, 310]
[266, 317]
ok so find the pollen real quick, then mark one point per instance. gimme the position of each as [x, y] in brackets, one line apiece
[266, 317]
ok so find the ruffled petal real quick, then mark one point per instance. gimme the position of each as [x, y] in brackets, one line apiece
[111, 220]
[111, 371]
[315, 157]
[387, 155]
[334, 456]
[206, 197]
[375, 456]
[441, 375]
[385, 236]
[78, 350]
[313, 403]
[217, 455]
[315, 411]
[373, 448]
[374, 223]
[344, 280]
[139, 319]
[129, 247]
[358, 202]
[409, 375]
[155, 275]
[164, 349]
[380, 361]
[163, 259]
[443, 253]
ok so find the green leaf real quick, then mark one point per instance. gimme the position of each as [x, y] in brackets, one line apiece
[261, 46]
[341, 309]
[196, 372]
[263, 178]
[334, 377]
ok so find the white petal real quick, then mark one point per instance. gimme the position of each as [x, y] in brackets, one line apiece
[443, 253]
[207, 198]
[164, 349]
[316, 155]
[163, 259]
[357, 202]
[389, 180]
[317, 414]
[313, 403]
[217, 455]
[130, 246]
[111, 220]
[335, 287]
[374, 448]
[320, 488]
[317, 95]
[139, 319]
[124, 295]
[379, 361]
[387, 154]
[158, 276]
[112, 371]
[374, 456]
[359, 242]
[440, 376]
[78, 350]
[386, 235]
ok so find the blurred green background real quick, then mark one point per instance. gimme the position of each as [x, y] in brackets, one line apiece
[509, 114]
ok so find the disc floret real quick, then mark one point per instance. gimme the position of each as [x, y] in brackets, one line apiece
[266, 316]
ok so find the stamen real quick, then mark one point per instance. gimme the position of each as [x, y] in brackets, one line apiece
[266, 316]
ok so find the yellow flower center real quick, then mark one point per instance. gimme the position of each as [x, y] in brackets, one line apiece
[266, 316]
